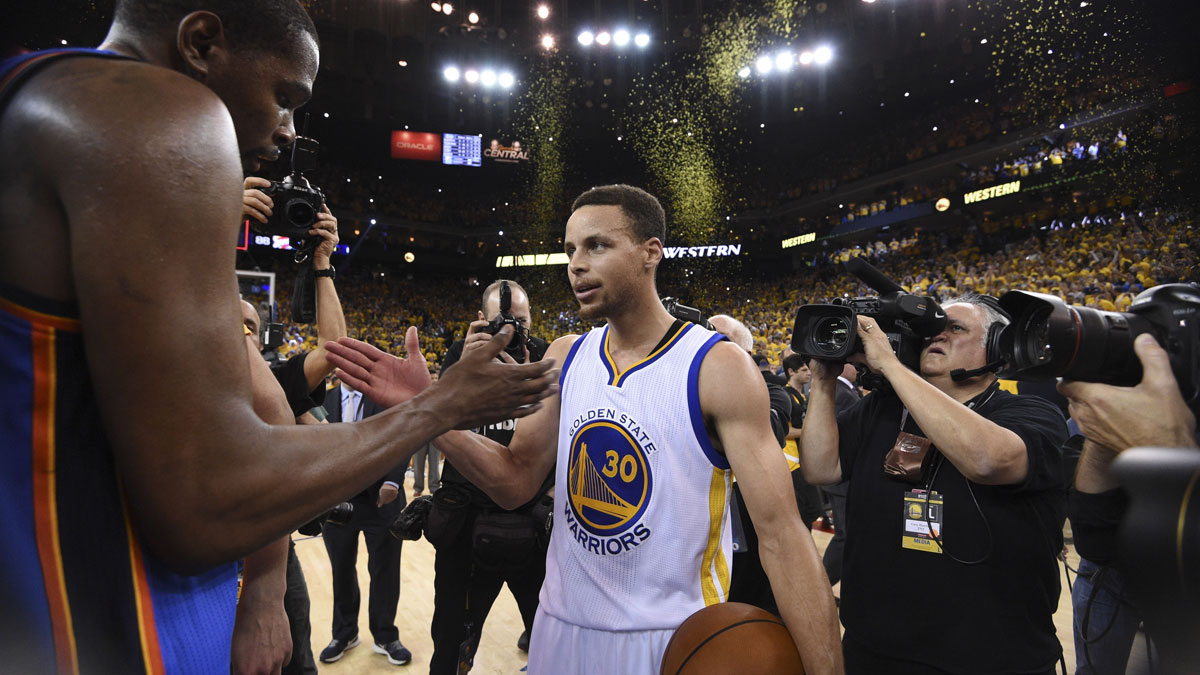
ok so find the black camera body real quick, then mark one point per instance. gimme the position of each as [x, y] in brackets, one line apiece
[685, 313]
[516, 346]
[1048, 338]
[296, 202]
[830, 332]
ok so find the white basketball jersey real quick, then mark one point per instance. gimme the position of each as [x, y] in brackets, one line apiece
[642, 535]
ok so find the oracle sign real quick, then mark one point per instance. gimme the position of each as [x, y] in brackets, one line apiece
[417, 145]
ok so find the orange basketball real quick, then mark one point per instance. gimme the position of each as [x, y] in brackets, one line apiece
[731, 637]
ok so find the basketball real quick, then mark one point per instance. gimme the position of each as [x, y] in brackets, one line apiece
[731, 637]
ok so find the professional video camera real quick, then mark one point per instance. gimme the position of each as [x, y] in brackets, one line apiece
[516, 346]
[685, 313]
[1048, 338]
[830, 332]
[297, 203]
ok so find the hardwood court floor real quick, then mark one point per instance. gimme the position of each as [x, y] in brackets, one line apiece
[498, 653]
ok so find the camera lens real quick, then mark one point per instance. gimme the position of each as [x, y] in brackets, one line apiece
[300, 213]
[830, 334]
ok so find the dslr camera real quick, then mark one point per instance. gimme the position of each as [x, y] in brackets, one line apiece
[685, 313]
[830, 332]
[516, 346]
[297, 203]
[1048, 338]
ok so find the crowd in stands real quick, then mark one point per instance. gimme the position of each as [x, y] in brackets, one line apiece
[1097, 255]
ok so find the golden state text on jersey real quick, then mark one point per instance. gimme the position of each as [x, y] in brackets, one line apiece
[609, 482]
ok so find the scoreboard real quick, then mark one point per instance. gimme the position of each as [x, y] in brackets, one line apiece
[461, 150]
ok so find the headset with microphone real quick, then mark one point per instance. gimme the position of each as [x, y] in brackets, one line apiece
[995, 359]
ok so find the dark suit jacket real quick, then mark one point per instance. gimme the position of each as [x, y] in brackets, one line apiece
[333, 410]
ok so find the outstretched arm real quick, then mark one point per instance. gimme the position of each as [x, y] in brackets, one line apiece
[511, 474]
[734, 399]
[201, 471]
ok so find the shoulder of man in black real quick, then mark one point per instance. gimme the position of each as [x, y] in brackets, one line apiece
[781, 411]
[799, 406]
[290, 375]
[453, 354]
[1043, 430]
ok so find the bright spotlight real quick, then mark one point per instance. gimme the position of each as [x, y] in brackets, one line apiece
[822, 55]
[451, 73]
[487, 78]
[603, 38]
[642, 39]
[806, 58]
[473, 17]
[763, 65]
[506, 80]
[784, 60]
[447, 9]
[744, 72]
[471, 76]
[437, 6]
[586, 38]
[548, 42]
[621, 38]
[543, 12]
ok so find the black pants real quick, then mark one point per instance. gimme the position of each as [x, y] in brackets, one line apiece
[861, 661]
[383, 566]
[833, 552]
[295, 603]
[464, 593]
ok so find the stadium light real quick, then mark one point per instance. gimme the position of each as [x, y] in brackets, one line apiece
[806, 58]
[447, 9]
[744, 72]
[487, 78]
[586, 38]
[621, 37]
[450, 73]
[784, 61]
[543, 12]
[642, 40]
[506, 80]
[547, 42]
[763, 65]
[436, 6]
[473, 17]
[603, 38]
[471, 76]
[822, 55]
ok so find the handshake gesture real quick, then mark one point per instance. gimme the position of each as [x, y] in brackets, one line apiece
[477, 391]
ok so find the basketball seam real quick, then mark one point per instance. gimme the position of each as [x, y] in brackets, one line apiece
[710, 637]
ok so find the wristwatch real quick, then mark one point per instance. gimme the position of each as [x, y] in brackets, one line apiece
[331, 273]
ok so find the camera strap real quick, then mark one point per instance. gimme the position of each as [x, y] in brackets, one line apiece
[304, 296]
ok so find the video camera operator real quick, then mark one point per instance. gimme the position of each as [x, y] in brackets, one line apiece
[480, 546]
[302, 378]
[1107, 610]
[978, 597]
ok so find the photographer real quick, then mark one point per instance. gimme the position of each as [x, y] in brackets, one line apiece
[980, 596]
[471, 566]
[302, 378]
[1113, 419]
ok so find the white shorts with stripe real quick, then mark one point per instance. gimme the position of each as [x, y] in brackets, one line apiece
[560, 648]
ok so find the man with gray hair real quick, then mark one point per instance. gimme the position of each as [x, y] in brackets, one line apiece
[957, 499]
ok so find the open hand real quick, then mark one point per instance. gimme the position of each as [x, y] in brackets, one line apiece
[385, 379]
[481, 390]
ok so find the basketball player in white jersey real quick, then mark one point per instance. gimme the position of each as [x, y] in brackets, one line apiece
[651, 415]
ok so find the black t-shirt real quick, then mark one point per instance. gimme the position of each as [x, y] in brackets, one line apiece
[993, 617]
[290, 375]
[501, 432]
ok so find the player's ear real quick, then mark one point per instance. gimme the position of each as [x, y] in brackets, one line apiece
[653, 250]
[198, 36]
